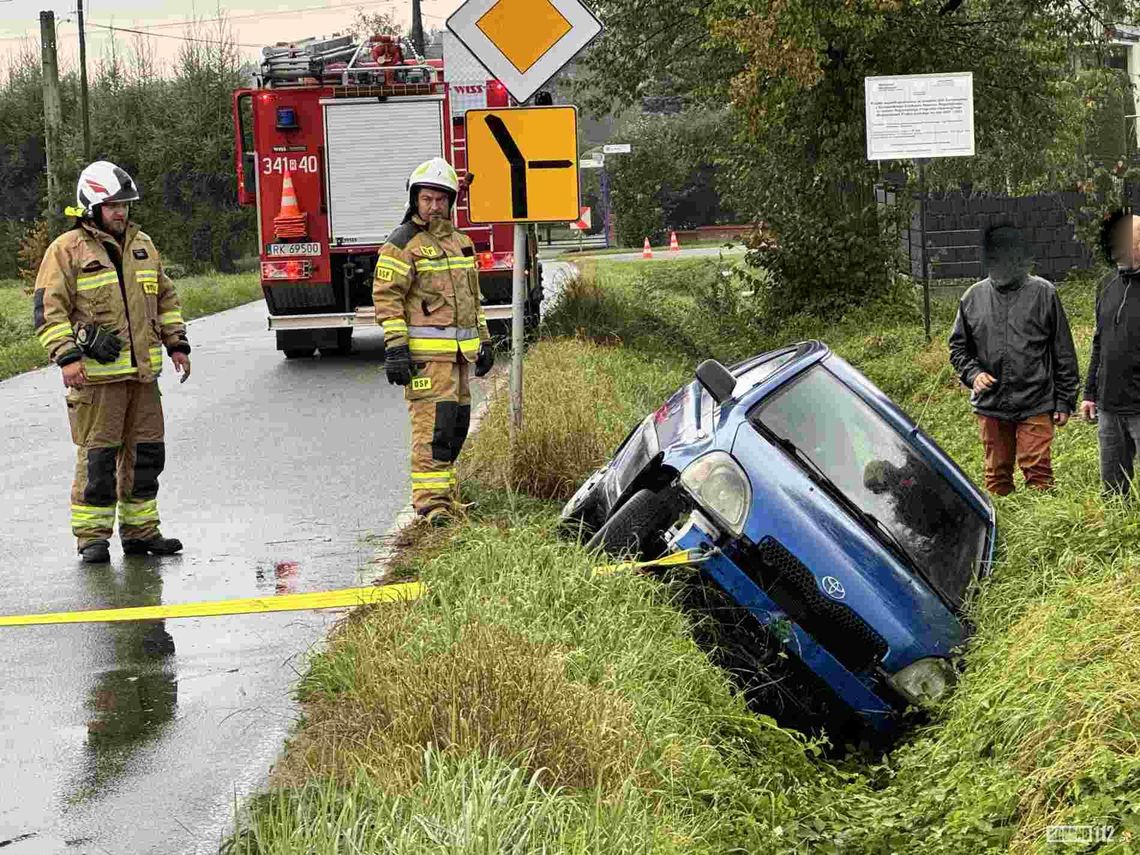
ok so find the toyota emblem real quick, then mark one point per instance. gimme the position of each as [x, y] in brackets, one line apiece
[832, 587]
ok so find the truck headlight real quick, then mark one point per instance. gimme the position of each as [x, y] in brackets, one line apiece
[718, 484]
[924, 682]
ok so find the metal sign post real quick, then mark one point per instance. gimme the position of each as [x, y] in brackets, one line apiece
[526, 158]
[610, 226]
[527, 162]
[922, 161]
[917, 117]
[518, 310]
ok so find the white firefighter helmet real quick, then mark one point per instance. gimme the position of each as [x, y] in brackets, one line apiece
[436, 173]
[101, 182]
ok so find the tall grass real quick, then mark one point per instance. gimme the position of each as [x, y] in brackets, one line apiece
[1040, 731]
[577, 703]
[581, 399]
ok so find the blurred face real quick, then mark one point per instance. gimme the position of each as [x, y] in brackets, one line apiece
[1126, 243]
[1009, 261]
[433, 204]
[112, 217]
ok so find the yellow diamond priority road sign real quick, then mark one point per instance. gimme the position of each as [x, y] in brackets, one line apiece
[524, 43]
[525, 163]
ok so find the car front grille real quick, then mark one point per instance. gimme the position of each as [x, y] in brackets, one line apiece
[835, 625]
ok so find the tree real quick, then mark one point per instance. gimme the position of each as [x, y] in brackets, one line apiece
[170, 128]
[670, 179]
[793, 72]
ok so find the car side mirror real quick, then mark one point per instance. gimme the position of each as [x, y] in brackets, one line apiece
[717, 380]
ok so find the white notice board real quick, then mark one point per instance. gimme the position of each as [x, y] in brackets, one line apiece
[920, 115]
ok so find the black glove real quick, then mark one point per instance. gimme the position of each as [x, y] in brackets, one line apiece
[101, 344]
[398, 365]
[485, 361]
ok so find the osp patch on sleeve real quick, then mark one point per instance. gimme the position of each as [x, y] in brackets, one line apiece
[384, 274]
[421, 384]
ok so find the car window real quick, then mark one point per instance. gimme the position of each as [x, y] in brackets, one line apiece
[878, 470]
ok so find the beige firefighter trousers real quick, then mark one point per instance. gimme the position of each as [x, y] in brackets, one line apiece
[439, 403]
[118, 432]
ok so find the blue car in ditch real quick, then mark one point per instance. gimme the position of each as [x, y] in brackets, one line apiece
[840, 532]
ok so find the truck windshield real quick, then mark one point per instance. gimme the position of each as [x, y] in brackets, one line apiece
[879, 472]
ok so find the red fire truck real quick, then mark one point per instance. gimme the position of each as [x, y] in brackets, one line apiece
[325, 142]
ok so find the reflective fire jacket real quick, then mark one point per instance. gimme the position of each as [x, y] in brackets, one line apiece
[426, 293]
[86, 276]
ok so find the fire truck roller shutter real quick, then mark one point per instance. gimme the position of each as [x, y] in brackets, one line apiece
[372, 149]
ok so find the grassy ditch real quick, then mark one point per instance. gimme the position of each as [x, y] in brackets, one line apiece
[200, 295]
[530, 705]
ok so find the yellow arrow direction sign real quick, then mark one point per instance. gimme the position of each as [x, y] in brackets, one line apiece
[525, 162]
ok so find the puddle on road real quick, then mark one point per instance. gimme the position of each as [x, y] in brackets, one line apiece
[130, 704]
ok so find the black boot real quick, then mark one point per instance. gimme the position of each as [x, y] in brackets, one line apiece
[96, 552]
[157, 545]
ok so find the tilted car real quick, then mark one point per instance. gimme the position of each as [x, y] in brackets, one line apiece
[821, 509]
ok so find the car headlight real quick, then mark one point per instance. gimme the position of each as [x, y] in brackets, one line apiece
[718, 484]
[924, 682]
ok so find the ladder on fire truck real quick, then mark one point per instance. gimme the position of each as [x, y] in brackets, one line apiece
[345, 61]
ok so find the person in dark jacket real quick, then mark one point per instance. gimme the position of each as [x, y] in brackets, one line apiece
[1112, 392]
[1012, 347]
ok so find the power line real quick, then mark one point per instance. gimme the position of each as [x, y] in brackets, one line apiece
[346, 8]
[165, 36]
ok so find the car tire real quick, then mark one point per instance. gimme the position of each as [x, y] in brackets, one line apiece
[637, 528]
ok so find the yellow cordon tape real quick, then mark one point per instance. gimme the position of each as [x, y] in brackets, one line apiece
[346, 597]
[676, 559]
[251, 605]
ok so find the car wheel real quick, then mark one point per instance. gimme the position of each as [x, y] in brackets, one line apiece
[638, 527]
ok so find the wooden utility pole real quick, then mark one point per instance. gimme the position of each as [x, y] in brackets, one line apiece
[83, 109]
[53, 120]
[417, 27]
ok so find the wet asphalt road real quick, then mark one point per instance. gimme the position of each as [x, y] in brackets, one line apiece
[140, 737]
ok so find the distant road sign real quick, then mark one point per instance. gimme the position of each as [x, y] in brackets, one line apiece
[617, 148]
[591, 164]
[920, 115]
[524, 43]
[584, 222]
[525, 161]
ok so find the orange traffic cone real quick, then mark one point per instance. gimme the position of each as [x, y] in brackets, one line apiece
[646, 252]
[673, 245]
[291, 222]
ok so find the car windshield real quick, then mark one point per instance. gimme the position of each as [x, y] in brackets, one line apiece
[878, 471]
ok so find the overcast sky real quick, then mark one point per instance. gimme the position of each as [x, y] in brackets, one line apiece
[254, 23]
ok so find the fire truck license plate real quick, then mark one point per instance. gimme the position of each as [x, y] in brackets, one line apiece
[294, 249]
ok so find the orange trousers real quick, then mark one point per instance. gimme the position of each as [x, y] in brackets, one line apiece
[1027, 444]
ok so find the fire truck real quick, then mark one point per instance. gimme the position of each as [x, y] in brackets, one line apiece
[325, 140]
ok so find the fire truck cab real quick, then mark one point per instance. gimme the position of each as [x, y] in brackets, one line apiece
[325, 142]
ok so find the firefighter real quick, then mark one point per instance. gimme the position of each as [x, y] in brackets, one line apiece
[426, 292]
[104, 308]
